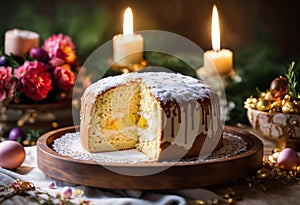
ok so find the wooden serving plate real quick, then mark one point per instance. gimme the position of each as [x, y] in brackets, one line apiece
[179, 176]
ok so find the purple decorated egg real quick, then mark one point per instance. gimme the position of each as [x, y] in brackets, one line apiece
[16, 134]
[39, 53]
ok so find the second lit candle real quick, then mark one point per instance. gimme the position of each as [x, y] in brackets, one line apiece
[217, 59]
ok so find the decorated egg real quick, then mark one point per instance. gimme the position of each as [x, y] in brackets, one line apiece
[4, 61]
[16, 134]
[67, 192]
[39, 54]
[279, 87]
[12, 154]
[287, 159]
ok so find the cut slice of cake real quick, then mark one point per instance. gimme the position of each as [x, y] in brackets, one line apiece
[167, 116]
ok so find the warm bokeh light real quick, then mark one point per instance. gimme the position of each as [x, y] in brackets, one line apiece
[215, 30]
[128, 22]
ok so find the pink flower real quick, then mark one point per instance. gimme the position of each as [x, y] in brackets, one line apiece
[63, 78]
[34, 80]
[61, 49]
[7, 84]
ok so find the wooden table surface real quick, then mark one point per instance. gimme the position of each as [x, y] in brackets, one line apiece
[272, 192]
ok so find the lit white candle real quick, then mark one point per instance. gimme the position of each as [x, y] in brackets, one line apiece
[128, 48]
[218, 59]
[19, 42]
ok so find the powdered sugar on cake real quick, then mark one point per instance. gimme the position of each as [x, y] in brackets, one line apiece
[164, 86]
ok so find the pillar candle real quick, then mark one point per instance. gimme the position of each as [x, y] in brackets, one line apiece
[19, 42]
[128, 47]
[217, 59]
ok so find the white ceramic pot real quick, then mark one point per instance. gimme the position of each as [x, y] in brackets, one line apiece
[283, 128]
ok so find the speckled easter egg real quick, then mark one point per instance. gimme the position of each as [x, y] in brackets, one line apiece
[287, 159]
[12, 154]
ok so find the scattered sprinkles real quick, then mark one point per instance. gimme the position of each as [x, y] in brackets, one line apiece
[271, 170]
[51, 185]
[269, 174]
[28, 190]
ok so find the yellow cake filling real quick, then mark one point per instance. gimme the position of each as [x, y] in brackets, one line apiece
[126, 117]
[126, 121]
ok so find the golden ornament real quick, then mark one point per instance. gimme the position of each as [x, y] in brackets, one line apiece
[297, 103]
[290, 108]
[275, 156]
[287, 98]
[262, 173]
[297, 106]
[250, 103]
[276, 106]
[268, 96]
[298, 169]
[263, 105]
[276, 150]
[199, 202]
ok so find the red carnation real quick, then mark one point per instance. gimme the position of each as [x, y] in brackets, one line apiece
[7, 84]
[34, 80]
[64, 79]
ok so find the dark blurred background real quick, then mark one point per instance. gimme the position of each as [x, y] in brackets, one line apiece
[92, 22]
[264, 34]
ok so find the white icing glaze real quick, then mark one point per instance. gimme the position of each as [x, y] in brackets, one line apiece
[164, 86]
[188, 107]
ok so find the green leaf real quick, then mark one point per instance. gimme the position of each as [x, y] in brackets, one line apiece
[19, 140]
[258, 91]
[14, 61]
[33, 134]
[293, 75]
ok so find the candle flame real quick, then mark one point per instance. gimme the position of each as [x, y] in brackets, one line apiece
[215, 30]
[128, 21]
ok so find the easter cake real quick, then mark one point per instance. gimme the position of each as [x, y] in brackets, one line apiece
[167, 116]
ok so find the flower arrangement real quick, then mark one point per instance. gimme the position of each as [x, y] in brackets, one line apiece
[45, 74]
